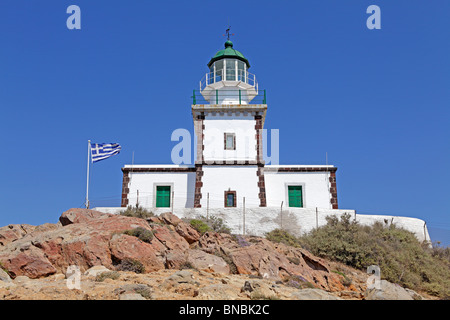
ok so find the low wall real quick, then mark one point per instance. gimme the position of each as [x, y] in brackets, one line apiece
[297, 221]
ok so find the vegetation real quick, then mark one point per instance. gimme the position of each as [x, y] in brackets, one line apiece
[136, 211]
[141, 233]
[282, 236]
[130, 265]
[401, 257]
[202, 224]
[114, 275]
[199, 225]
[228, 260]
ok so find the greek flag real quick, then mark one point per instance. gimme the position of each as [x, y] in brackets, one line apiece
[102, 151]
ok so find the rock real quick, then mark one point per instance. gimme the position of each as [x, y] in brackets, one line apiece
[96, 270]
[217, 292]
[187, 232]
[78, 215]
[4, 276]
[123, 247]
[170, 239]
[387, 291]
[207, 262]
[261, 289]
[155, 220]
[13, 232]
[131, 296]
[176, 260]
[83, 242]
[180, 277]
[170, 218]
[134, 292]
[247, 287]
[313, 294]
[26, 260]
[414, 294]
[21, 279]
[211, 242]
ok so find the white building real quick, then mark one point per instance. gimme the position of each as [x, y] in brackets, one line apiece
[229, 178]
[229, 164]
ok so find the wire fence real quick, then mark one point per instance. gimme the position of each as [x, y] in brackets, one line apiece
[217, 200]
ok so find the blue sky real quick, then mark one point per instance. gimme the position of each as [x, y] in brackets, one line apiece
[377, 101]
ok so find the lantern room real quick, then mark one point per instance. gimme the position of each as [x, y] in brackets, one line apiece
[228, 80]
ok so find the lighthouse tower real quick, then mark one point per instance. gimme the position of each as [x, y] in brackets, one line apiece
[228, 113]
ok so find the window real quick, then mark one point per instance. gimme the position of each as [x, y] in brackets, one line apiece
[241, 71]
[230, 198]
[295, 196]
[219, 70]
[231, 69]
[230, 141]
[162, 196]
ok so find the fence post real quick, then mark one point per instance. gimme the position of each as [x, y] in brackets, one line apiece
[137, 199]
[194, 101]
[425, 230]
[239, 96]
[264, 102]
[317, 219]
[281, 215]
[244, 216]
[207, 207]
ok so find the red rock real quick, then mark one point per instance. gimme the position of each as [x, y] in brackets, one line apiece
[78, 215]
[123, 246]
[170, 218]
[13, 232]
[30, 261]
[170, 239]
[207, 262]
[187, 232]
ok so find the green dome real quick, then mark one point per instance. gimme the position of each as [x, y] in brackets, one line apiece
[228, 52]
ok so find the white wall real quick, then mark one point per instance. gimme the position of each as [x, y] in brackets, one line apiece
[218, 179]
[182, 184]
[297, 221]
[244, 129]
[315, 188]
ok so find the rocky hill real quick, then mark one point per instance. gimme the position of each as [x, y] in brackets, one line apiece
[122, 257]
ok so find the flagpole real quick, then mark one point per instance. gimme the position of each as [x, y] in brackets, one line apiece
[87, 178]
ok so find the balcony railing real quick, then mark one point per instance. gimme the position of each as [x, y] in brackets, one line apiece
[232, 96]
[229, 75]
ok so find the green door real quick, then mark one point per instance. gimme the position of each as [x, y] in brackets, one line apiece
[162, 196]
[295, 196]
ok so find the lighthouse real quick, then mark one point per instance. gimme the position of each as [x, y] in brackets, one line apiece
[228, 124]
[228, 173]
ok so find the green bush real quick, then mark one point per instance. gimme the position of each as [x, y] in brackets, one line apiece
[401, 257]
[141, 233]
[199, 225]
[202, 224]
[282, 236]
[137, 212]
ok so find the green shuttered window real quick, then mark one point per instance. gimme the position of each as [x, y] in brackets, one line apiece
[162, 196]
[295, 196]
